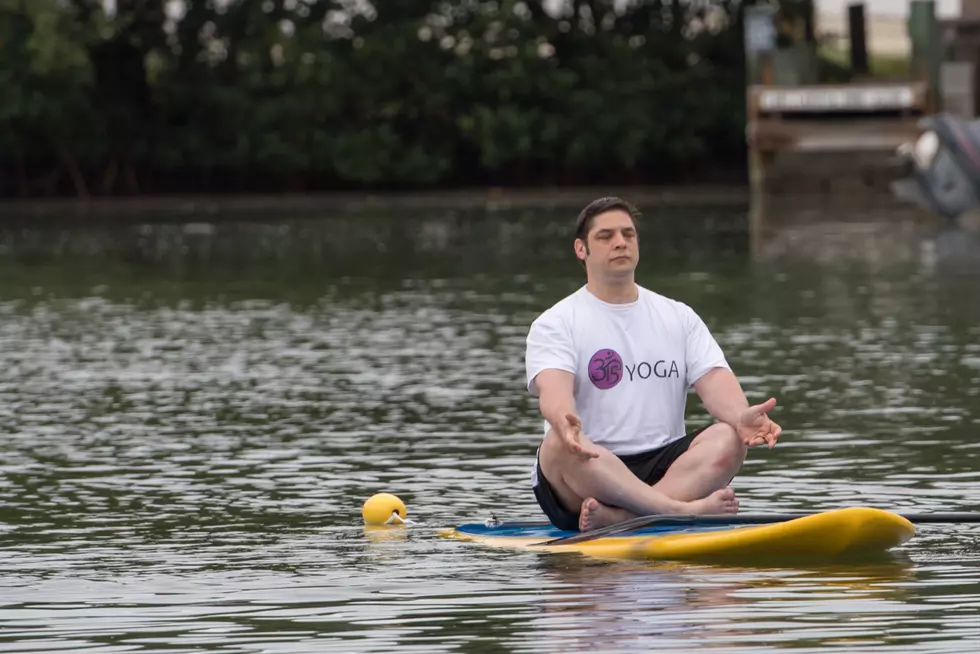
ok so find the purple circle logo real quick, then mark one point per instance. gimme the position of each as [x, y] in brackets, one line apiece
[605, 369]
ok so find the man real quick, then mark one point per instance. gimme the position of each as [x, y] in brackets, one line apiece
[611, 365]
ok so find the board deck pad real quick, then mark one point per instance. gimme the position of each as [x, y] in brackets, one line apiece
[543, 531]
[825, 536]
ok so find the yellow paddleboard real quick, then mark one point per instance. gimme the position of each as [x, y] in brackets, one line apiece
[825, 536]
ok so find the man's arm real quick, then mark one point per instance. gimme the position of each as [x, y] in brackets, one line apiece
[556, 401]
[723, 397]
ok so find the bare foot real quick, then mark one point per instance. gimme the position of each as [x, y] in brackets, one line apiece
[595, 514]
[721, 501]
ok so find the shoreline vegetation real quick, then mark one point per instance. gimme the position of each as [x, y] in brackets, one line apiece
[466, 199]
[293, 107]
[273, 97]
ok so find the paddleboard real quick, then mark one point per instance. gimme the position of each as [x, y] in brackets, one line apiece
[824, 536]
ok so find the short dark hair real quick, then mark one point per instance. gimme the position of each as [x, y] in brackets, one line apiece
[603, 205]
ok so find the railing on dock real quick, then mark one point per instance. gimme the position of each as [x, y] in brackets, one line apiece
[835, 118]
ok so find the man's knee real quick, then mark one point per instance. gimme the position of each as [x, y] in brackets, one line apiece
[551, 455]
[551, 445]
[728, 449]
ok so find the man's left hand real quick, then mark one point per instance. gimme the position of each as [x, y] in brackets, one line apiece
[754, 426]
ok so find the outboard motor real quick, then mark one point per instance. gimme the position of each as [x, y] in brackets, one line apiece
[943, 165]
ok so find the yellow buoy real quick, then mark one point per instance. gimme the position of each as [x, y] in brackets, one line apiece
[379, 509]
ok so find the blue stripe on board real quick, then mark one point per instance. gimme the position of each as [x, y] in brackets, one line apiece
[549, 532]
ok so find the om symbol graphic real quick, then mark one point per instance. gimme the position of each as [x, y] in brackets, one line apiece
[605, 369]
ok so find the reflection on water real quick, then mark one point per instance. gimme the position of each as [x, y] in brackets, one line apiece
[194, 414]
[685, 607]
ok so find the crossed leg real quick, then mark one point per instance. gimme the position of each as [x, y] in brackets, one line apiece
[607, 491]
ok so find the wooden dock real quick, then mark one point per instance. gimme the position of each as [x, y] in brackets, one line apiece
[829, 139]
[838, 141]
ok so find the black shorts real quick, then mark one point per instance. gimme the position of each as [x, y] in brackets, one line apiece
[650, 467]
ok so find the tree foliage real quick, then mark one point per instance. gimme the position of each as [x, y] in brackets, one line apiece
[233, 95]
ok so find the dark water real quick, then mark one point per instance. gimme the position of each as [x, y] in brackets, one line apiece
[193, 414]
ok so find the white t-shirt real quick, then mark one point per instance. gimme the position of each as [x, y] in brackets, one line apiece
[633, 364]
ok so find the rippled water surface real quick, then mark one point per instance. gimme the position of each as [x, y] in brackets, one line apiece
[193, 414]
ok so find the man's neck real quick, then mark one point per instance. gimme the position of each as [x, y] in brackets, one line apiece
[614, 293]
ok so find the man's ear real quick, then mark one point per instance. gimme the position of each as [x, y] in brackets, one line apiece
[580, 249]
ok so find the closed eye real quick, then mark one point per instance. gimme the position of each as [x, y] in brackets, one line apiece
[606, 234]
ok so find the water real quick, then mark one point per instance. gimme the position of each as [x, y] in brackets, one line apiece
[194, 412]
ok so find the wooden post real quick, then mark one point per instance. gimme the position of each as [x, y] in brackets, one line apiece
[859, 45]
[760, 44]
[970, 9]
[926, 57]
[958, 88]
[809, 22]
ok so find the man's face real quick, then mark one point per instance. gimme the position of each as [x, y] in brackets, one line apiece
[611, 247]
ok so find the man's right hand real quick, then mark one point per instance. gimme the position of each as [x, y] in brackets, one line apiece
[571, 432]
